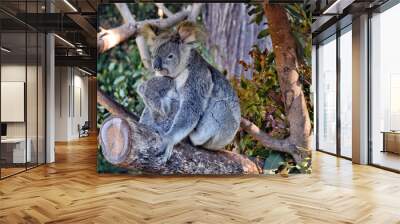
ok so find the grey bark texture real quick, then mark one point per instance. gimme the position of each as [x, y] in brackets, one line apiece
[231, 36]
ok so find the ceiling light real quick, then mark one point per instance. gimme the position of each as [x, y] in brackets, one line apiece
[331, 7]
[338, 6]
[65, 41]
[70, 5]
[84, 71]
[5, 50]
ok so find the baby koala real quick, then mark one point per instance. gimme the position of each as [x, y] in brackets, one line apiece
[161, 101]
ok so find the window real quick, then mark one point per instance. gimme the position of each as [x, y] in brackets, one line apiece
[326, 96]
[385, 89]
[346, 92]
[334, 96]
[22, 101]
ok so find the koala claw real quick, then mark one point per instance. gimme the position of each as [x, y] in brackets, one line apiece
[165, 151]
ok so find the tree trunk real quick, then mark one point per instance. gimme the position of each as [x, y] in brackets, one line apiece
[284, 47]
[231, 36]
[126, 143]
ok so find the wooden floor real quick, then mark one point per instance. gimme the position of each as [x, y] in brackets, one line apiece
[10, 171]
[70, 191]
[387, 159]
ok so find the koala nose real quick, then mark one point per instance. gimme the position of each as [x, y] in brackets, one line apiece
[157, 64]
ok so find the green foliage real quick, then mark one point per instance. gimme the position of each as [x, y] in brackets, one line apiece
[120, 71]
[261, 102]
[261, 98]
[263, 33]
[301, 29]
[256, 11]
[273, 162]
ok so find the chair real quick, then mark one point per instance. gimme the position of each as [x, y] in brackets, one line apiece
[84, 130]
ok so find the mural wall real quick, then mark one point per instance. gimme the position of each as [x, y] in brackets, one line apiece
[204, 89]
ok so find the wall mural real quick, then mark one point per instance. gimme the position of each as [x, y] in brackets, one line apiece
[204, 88]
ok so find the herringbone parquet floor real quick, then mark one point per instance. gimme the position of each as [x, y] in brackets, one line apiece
[70, 191]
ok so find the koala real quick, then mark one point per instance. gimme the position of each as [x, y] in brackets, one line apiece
[161, 103]
[207, 108]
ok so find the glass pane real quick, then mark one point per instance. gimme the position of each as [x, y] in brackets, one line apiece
[32, 85]
[327, 96]
[32, 97]
[13, 86]
[346, 94]
[41, 98]
[385, 84]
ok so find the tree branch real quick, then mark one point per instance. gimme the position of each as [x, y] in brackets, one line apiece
[168, 22]
[140, 41]
[195, 11]
[280, 145]
[125, 12]
[110, 38]
[164, 9]
[113, 107]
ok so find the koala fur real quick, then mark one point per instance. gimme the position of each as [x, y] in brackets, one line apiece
[188, 97]
[161, 101]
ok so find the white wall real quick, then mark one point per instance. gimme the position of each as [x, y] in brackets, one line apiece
[12, 73]
[61, 103]
[71, 94]
[16, 73]
[80, 94]
[33, 126]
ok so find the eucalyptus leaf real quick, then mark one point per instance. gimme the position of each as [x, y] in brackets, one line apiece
[119, 80]
[252, 11]
[273, 161]
[257, 18]
[263, 33]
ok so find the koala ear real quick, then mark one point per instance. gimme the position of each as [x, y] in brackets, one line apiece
[140, 89]
[149, 33]
[190, 32]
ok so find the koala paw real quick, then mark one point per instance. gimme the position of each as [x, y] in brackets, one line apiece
[165, 108]
[165, 151]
